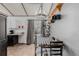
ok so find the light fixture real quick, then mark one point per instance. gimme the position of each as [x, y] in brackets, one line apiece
[41, 12]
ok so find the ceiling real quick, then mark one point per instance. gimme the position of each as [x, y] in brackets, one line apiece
[25, 9]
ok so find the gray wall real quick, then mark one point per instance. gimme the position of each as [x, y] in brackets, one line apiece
[67, 29]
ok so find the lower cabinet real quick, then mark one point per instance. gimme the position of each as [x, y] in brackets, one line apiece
[3, 47]
[12, 40]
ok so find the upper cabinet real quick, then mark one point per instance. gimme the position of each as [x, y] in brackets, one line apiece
[16, 23]
[20, 24]
[11, 23]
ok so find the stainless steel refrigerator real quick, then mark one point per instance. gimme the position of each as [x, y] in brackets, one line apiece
[3, 39]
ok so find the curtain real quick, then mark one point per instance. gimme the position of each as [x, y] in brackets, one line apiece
[30, 33]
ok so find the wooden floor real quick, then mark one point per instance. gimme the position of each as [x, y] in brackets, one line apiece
[21, 50]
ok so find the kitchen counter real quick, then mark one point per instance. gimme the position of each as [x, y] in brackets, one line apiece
[14, 34]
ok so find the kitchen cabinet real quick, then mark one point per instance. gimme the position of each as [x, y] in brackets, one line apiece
[12, 40]
[20, 24]
[11, 23]
[15, 24]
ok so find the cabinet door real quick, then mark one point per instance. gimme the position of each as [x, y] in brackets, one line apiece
[11, 23]
[20, 24]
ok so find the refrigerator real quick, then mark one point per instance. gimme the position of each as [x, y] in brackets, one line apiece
[3, 38]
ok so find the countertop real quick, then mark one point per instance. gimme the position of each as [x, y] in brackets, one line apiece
[14, 34]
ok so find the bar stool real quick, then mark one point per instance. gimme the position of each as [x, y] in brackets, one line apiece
[56, 48]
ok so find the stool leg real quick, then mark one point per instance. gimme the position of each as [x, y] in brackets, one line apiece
[61, 51]
[41, 51]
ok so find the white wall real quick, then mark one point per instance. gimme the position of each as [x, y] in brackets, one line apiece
[67, 29]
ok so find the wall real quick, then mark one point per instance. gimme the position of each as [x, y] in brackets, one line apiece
[67, 29]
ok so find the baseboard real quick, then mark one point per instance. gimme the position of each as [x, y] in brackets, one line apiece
[22, 43]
